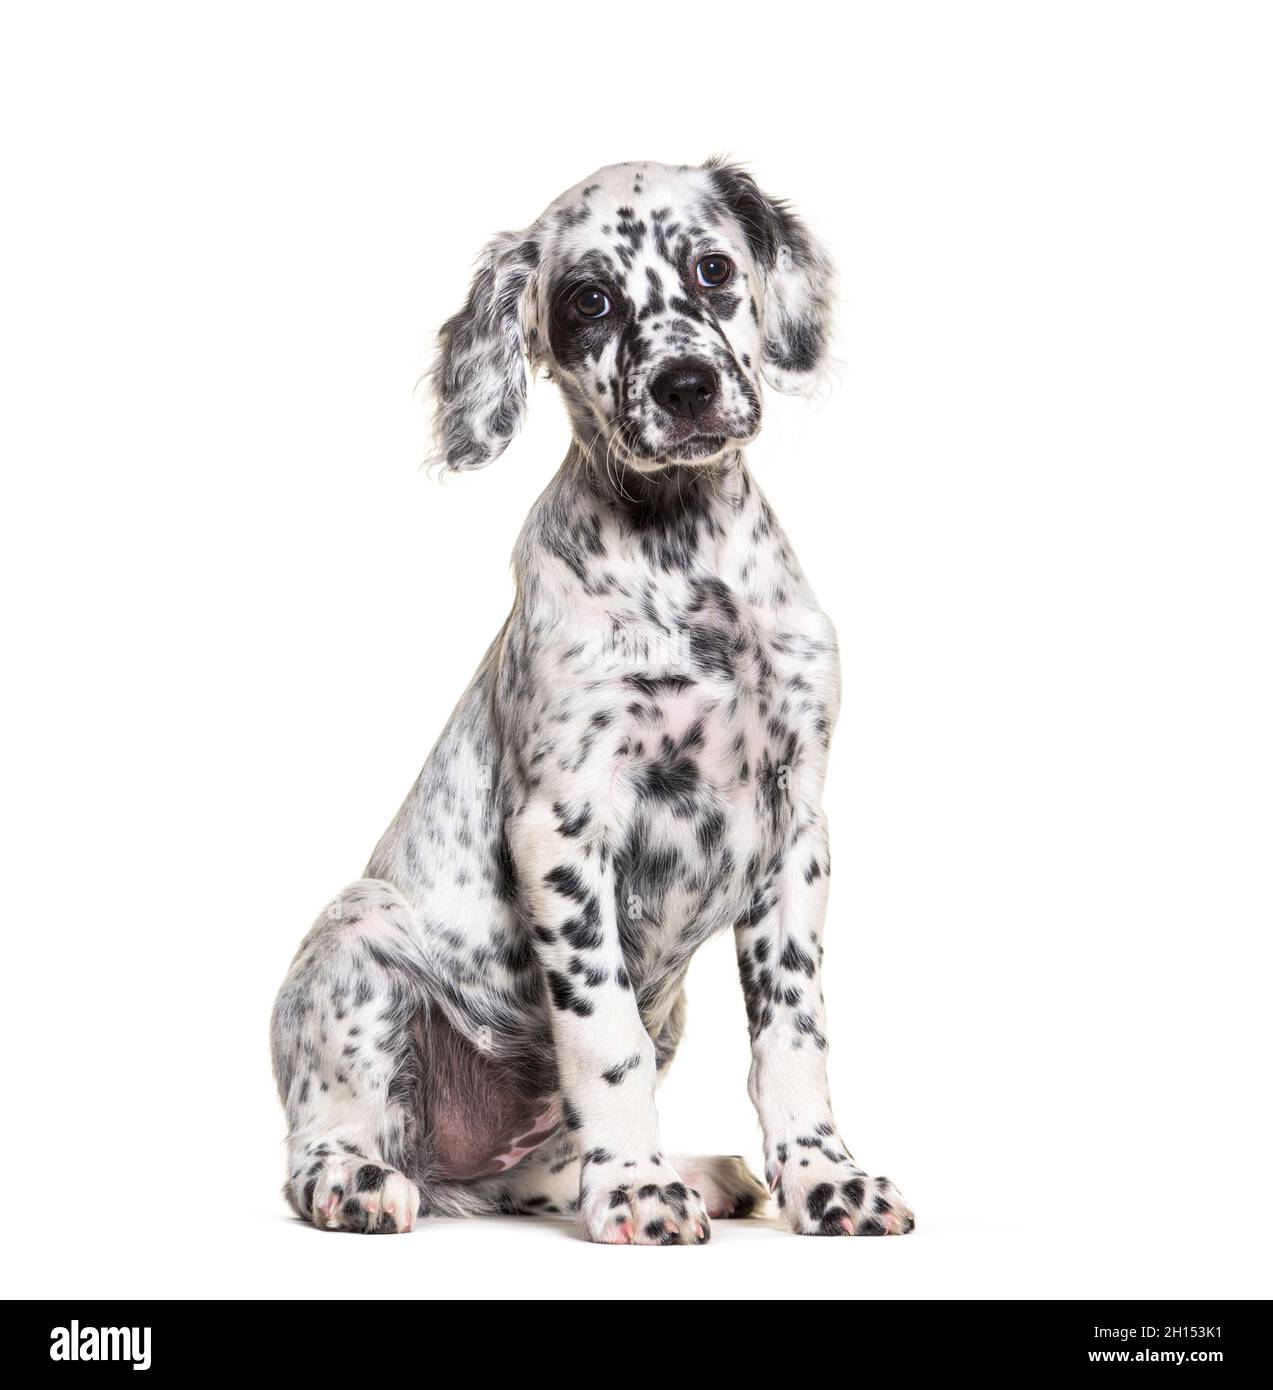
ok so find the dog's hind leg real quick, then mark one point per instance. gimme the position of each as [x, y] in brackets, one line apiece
[346, 1051]
[726, 1184]
[546, 1183]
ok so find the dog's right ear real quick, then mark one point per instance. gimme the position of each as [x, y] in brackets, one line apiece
[480, 374]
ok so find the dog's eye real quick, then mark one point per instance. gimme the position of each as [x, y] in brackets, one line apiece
[592, 303]
[713, 271]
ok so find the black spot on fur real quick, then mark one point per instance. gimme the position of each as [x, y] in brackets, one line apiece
[819, 1200]
[616, 1074]
[369, 1178]
[567, 882]
[564, 996]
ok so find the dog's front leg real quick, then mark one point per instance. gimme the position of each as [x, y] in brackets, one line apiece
[820, 1190]
[629, 1193]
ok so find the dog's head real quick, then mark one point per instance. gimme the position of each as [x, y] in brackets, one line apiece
[657, 297]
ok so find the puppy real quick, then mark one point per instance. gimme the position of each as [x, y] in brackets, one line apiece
[480, 1022]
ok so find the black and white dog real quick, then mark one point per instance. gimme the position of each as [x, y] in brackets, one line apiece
[480, 1022]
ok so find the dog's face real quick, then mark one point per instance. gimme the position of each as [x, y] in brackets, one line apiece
[657, 297]
[648, 299]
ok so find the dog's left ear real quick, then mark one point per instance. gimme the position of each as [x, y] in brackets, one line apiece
[480, 374]
[799, 282]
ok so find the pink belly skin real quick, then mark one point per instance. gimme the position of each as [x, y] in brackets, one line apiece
[527, 1143]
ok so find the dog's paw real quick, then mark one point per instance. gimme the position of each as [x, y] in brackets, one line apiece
[344, 1193]
[630, 1203]
[820, 1191]
[728, 1187]
[837, 1205]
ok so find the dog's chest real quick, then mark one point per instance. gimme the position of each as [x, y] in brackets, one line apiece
[724, 708]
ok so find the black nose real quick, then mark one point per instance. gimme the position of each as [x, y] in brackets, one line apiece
[686, 390]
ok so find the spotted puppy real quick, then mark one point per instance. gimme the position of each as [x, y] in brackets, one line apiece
[479, 1023]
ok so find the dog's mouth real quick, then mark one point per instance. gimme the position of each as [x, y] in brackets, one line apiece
[705, 447]
[625, 442]
[695, 448]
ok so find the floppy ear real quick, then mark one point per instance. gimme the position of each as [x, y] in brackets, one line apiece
[480, 372]
[798, 280]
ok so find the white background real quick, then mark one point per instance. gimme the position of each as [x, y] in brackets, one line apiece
[1037, 506]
